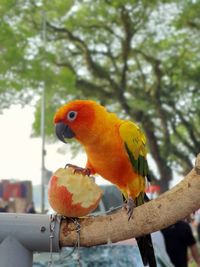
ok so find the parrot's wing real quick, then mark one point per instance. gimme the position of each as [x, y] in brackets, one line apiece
[134, 141]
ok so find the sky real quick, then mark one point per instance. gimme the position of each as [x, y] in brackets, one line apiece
[20, 155]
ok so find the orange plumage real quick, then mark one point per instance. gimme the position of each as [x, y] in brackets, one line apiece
[115, 149]
[98, 131]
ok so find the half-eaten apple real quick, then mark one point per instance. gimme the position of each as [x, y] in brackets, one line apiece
[73, 194]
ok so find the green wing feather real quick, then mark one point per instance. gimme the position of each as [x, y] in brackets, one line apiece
[134, 142]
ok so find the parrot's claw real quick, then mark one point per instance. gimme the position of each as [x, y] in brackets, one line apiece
[83, 171]
[130, 205]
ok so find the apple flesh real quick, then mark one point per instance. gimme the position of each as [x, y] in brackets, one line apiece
[73, 194]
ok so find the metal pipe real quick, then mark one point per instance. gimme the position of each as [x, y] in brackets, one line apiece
[43, 151]
[33, 231]
[13, 253]
[43, 119]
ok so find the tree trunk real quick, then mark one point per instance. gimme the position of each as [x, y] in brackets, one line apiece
[165, 172]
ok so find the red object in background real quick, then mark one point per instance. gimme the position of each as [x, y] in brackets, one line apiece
[153, 189]
[12, 190]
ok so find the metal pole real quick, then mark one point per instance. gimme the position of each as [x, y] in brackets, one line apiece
[43, 123]
[43, 152]
[13, 253]
[22, 234]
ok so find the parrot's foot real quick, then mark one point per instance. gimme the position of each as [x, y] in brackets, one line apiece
[83, 171]
[130, 205]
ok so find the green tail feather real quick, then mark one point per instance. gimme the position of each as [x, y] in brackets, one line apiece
[144, 242]
[146, 250]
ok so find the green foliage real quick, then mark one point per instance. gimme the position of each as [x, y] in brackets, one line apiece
[140, 58]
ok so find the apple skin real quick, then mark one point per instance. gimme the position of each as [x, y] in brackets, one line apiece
[72, 194]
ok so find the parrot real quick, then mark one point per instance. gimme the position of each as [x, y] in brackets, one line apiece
[115, 149]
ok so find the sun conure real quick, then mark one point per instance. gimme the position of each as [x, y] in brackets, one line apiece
[115, 150]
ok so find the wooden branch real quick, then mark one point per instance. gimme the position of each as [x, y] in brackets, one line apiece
[171, 206]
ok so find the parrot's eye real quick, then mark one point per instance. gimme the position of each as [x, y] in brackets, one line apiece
[71, 115]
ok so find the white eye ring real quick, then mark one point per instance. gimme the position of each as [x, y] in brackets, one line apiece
[71, 115]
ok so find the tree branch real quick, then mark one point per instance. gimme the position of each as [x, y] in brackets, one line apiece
[163, 168]
[102, 27]
[126, 45]
[183, 158]
[189, 129]
[87, 86]
[170, 207]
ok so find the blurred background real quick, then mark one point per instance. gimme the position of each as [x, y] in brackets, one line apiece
[141, 59]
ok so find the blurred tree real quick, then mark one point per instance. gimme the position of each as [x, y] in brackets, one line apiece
[140, 58]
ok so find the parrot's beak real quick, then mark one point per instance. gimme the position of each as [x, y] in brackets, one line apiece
[63, 132]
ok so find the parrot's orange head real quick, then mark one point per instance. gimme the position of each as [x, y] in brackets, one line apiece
[76, 119]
